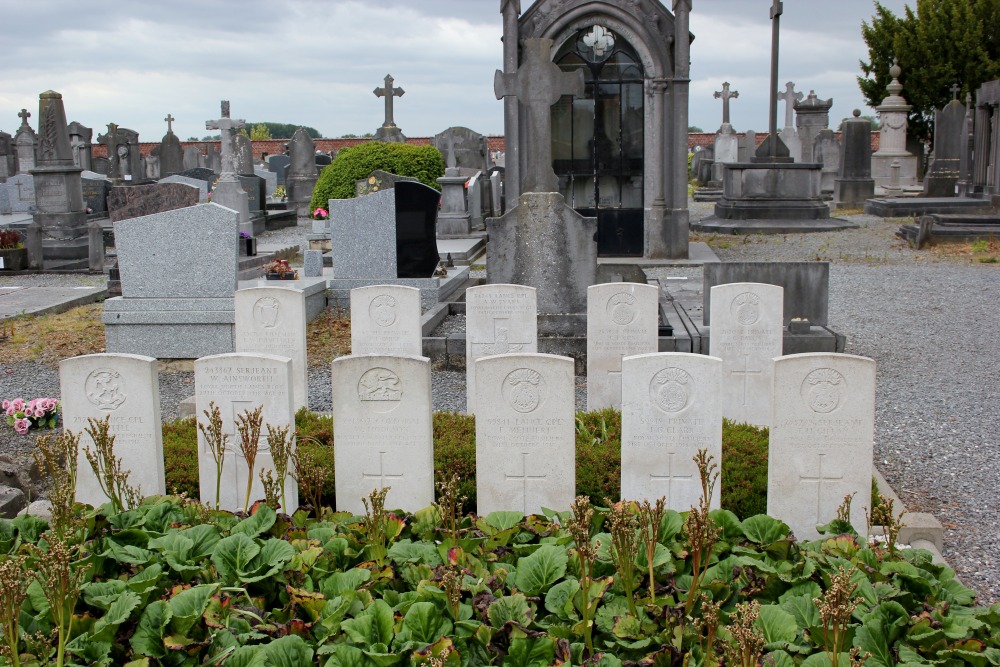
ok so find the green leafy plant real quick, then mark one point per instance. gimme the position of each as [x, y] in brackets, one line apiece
[216, 441]
[107, 467]
[337, 180]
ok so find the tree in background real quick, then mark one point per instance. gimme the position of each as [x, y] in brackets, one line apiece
[282, 130]
[694, 128]
[259, 132]
[946, 42]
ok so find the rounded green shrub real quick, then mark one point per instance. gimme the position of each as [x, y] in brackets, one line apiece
[337, 179]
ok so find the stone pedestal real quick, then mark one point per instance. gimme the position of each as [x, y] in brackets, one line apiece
[545, 244]
[727, 148]
[229, 193]
[391, 135]
[892, 138]
[453, 219]
[783, 191]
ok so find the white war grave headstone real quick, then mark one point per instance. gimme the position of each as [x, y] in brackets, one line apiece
[125, 388]
[525, 433]
[622, 320]
[671, 408]
[385, 319]
[382, 427]
[746, 333]
[272, 320]
[822, 440]
[237, 382]
[499, 319]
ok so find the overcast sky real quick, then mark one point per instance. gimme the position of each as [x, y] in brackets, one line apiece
[316, 62]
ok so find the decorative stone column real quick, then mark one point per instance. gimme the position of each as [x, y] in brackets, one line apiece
[893, 113]
[453, 218]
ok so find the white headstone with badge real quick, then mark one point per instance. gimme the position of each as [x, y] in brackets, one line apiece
[385, 319]
[272, 320]
[622, 320]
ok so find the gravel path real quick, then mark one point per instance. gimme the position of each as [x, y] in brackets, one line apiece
[929, 321]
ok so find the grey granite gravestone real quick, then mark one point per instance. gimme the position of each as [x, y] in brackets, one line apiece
[788, 135]
[242, 154]
[165, 312]
[8, 159]
[171, 155]
[942, 177]
[58, 193]
[20, 190]
[277, 164]
[191, 159]
[806, 285]
[826, 151]
[312, 263]
[270, 180]
[470, 151]
[854, 184]
[302, 172]
[202, 174]
[454, 217]
[133, 201]
[80, 139]
[4, 201]
[193, 182]
[95, 188]
[100, 165]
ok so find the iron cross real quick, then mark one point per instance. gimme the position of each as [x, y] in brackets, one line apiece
[389, 92]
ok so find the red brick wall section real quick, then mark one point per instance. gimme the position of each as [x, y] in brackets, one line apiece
[496, 143]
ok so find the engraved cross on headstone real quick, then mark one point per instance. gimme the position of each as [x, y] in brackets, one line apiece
[381, 475]
[502, 342]
[819, 479]
[24, 116]
[170, 119]
[670, 478]
[225, 126]
[790, 97]
[229, 410]
[746, 373]
[725, 94]
[524, 478]
[388, 92]
[538, 84]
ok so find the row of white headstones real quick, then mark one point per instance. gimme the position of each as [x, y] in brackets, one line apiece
[820, 407]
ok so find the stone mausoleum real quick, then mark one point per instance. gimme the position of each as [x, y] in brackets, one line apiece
[620, 150]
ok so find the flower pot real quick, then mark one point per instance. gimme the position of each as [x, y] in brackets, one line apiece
[248, 247]
[14, 259]
[273, 276]
[291, 275]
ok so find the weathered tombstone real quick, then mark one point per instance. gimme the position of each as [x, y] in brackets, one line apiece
[788, 135]
[203, 174]
[622, 320]
[470, 153]
[453, 217]
[125, 160]
[671, 408]
[826, 151]
[854, 184]
[302, 172]
[151, 165]
[124, 388]
[270, 180]
[80, 139]
[726, 144]
[312, 263]
[133, 201]
[165, 312]
[237, 383]
[20, 193]
[198, 183]
[25, 142]
[8, 158]
[821, 440]
[192, 158]
[379, 180]
[496, 185]
[388, 234]
[242, 154]
[382, 426]
[499, 319]
[171, 153]
[525, 433]
[746, 334]
[227, 190]
[4, 200]
[385, 319]
[474, 196]
[101, 165]
[747, 146]
[276, 164]
[213, 160]
[95, 189]
[811, 115]
[942, 177]
[272, 320]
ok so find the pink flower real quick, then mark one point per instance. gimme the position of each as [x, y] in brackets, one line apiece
[28, 412]
[10, 411]
[17, 404]
[21, 426]
[51, 403]
[5, 405]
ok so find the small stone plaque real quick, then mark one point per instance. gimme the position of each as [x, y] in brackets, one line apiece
[126, 389]
[382, 427]
[236, 383]
[525, 433]
[670, 410]
[622, 320]
[272, 320]
[499, 319]
[385, 319]
[822, 440]
[746, 334]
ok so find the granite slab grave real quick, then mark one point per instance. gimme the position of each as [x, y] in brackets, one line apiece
[821, 440]
[388, 234]
[525, 433]
[125, 390]
[385, 319]
[671, 408]
[236, 383]
[499, 319]
[270, 180]
[382, 426]
[746, 334]
[193, 182]
[201, 174]
[272, 320]
[277, 164]
[622, 320]
[134, 201]
[192, 158]
[806, 285]
[166, 313]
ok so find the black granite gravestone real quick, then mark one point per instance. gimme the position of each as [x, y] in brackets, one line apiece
[416, 222]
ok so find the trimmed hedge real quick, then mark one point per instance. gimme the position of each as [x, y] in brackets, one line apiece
[598, 457]
[337, 179]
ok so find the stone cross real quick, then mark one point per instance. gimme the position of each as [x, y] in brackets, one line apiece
[725, 94]
[226, 125]
[955, 90]
[24, 116]
[818, 480]
[524, 478]
[381, 475]
[388, 92]
[790, 97]
[170, 119]
[746, 373]
[538, 84]
[670, 477]
[776, 10]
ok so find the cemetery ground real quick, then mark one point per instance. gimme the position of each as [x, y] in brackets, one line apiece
[927, 317]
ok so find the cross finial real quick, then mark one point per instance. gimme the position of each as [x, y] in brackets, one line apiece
[24, 116]
[388, 92]
[225, 108]
[170, 119]
[725, 94]
[955, 90]
[777, 8]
